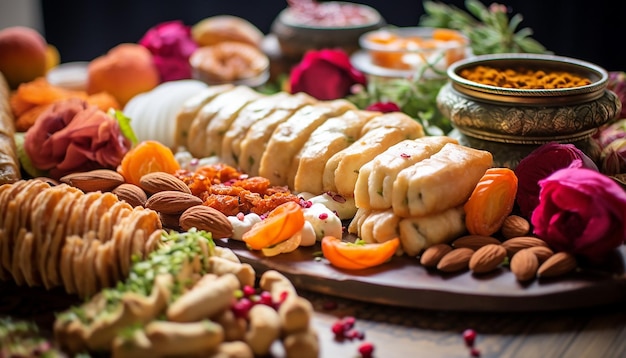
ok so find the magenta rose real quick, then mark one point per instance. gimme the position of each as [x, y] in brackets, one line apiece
[171, 45]
[539, 164]
[384, 107]
[72, 136]
[581, 211]
[326, 74]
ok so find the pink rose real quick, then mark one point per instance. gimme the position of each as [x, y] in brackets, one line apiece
[325, 74]
[582, 212]
[72, 136]
[171, 45]
[384, 107]
[539, 164]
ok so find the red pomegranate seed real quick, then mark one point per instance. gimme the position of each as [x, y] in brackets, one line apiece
[266, 298]
[242, 307]
[469, 335]
[474, 352]
[248, 290]
[366, 349]
[337, 329]
[348, 322]
[323, 216]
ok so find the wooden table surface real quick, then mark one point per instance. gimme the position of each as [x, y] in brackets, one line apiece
[407, 332]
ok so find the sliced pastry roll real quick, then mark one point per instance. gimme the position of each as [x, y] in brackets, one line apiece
[253, 112]
[375, 225]
[253, 144]
[190, 110]
[221, 122]
[374, 185]
[290, 135]
[342, 169]
[196, 138]
[419, 233]
[443, 181]
[335, 134]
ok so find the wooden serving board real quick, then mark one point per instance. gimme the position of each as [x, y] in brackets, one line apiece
[404, 282]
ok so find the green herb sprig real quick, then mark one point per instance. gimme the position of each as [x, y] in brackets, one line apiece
[489, 29]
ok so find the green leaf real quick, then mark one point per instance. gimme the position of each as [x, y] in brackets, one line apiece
[124, 123]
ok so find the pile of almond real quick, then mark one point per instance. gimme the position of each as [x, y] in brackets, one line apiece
[528, 257]
[162, 192]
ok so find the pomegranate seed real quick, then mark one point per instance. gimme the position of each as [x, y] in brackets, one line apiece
[348, 322]
[474, 352]
[337, 329]
[366, 349]
[248, 290]
[241, 216]
[355, 334]
[469, 335]
[323, 216]
[266, 298]
[242, 307]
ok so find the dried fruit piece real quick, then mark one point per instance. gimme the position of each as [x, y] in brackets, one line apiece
[491, 201]
[523, 242]
[147, 157]
[514, 226]
[524, 265]
[161, 181]
[206, 218]
[487, 258]
[94, 180]
[558, 264]
[172, 202]
[474, 242]
[455, 260]
[432, 255]
[358, 255]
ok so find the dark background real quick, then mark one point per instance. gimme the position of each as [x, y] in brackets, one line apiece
[594, 31]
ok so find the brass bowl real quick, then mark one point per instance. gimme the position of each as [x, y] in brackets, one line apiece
[512, 122]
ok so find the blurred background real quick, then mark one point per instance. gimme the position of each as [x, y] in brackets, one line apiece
[85, 29]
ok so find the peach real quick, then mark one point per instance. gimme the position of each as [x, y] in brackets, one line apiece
[22, 54]
[125, 71]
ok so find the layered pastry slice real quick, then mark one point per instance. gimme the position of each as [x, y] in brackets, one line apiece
[253, 144]
[374, 185]
[337, 133]
[217, 126]
[342, 169]
[443, 181]
[190, 110]
[290, 135]
[253, 112]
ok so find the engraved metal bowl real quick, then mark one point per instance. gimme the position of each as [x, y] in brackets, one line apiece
[512, 122]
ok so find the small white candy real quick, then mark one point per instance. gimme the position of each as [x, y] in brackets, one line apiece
[240, 226]
[324, 221]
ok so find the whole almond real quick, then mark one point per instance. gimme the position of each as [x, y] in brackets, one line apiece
[542, 252]
[94, 180]
[514, 226]
[172, 202]
[487, 258]
[474, 242]
[161, 181]
[131, 193]
[433, 254]
[455, 260]
[522, 242]
[558, 264]
[524, 265]
[206, 218]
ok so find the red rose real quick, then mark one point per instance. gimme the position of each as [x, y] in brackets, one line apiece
[539, 164]
[325, 74]
[72, 136]
[582, 212]
[384, 107]
[171, 46]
